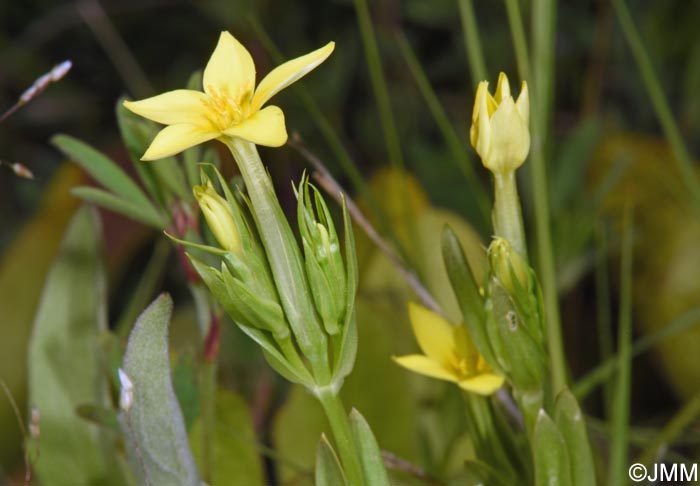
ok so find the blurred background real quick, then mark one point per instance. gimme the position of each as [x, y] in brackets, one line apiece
[606, 148]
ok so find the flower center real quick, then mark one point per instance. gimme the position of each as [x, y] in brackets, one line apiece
[226, 110]
[459, 366]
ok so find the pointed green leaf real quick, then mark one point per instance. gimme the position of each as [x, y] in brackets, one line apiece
[368, 449]
[64, 366]
[552, 461]
[571, 424]
[104, 170]
[328, 469]
[467, 293]
[119, 205]
[153, 425]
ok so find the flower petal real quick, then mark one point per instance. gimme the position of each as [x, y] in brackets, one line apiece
[483, 384]
[425, 366]
[434, 334]
[266, 127]
[511, 138]
[523, 103]
[502, 88]
[230, 71]
[179, 106]
[289, 72]
[174, 139]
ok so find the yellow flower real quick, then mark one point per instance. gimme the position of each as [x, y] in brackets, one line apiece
[219, 216]
[499, 131]
[450, 353]
[230, 106]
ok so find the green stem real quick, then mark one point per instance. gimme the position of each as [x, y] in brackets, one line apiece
[342, 435]
[621, 404]
[658, 100]
[472, 42]
[284, 257]
[455, 143]
[522, 58]
[540, 190]
[381, 93]
[507, 215]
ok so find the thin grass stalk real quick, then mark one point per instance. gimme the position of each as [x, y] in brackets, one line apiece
[617, 473]
[659, 101]
[472, 42]
[603, 309]
[381, 93]
[454, 142]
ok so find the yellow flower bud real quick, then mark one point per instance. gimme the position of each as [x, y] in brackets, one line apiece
[499, 131]
[219, 216]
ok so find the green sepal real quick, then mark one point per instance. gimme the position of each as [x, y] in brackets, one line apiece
[328, 471]
[255, 309]
[471, 302]
[371, 460]
[572, 426]
[552, 461]
[519, 355]
[275, 358]
[346, 350]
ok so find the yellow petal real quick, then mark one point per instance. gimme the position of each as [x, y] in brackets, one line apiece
[483, 384]
[510, 141]
[425, 366]
[175, 138]
[230, 71]
[502, 88]
[523, 103]
[179, 106]
[266, 127]
[465, 347]
[289, 72]
[433, 333]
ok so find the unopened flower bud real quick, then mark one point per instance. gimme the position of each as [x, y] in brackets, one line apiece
[499, 131]
[509, 267]
[219, 216]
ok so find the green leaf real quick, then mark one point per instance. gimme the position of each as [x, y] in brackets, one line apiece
[552, 462]
[153, 426]
[571, 424]
[64, 366]
[236, 459]
[137, 134]
[104, 170]
[368, 449]
[328, 469]
[467, 293]
[119, 205]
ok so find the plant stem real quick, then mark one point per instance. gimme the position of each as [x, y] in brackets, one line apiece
[284, 257]
[381, 93]
[621, 404]
[342, 435]
[472, 42]
[540, 191]
[507, 215]
[658, 100]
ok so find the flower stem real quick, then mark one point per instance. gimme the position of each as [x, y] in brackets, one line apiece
[284, 257]
[507, 216]
[342, 435]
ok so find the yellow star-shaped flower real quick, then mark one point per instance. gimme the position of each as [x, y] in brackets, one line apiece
[230, 106]
[449, 353]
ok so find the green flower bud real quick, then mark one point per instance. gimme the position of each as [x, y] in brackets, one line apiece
[219, 217]
[509, 267]
[323, 259]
